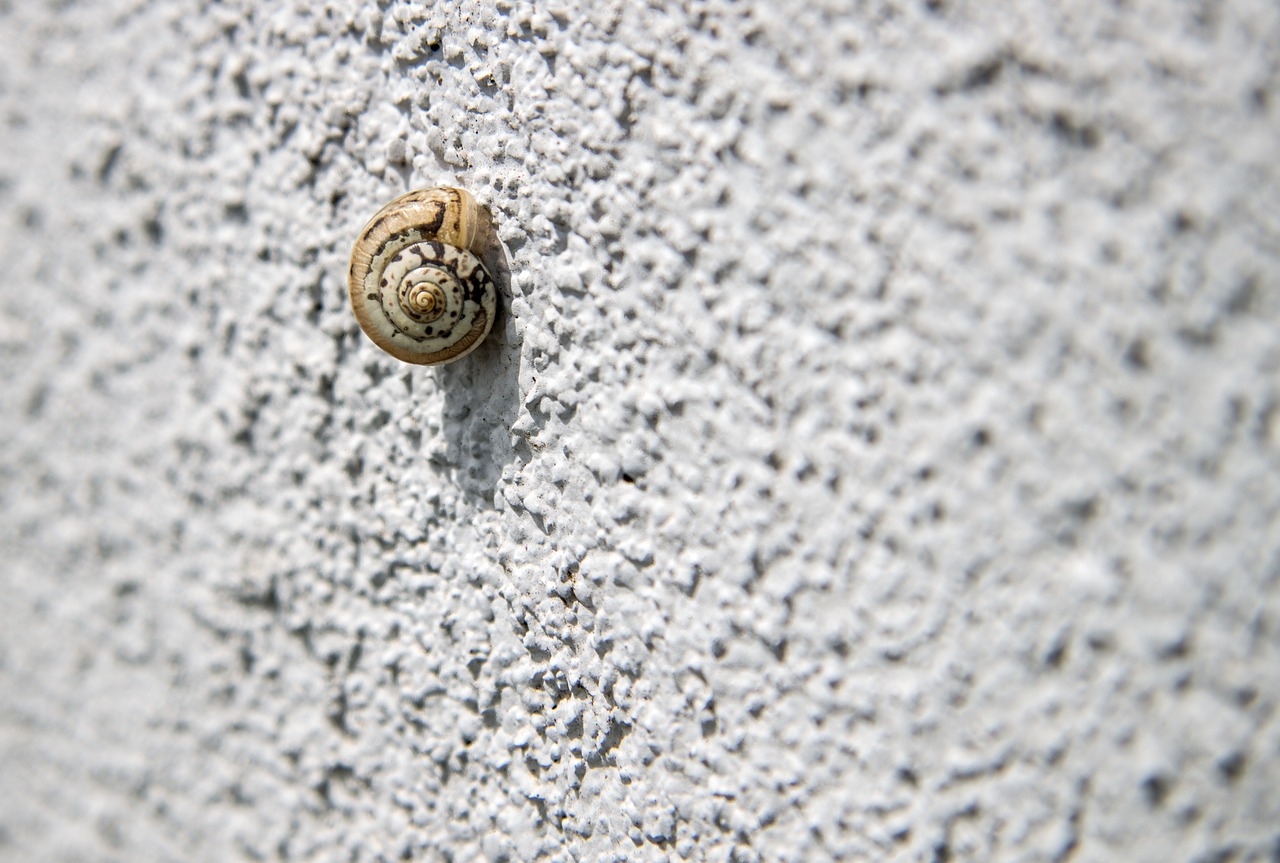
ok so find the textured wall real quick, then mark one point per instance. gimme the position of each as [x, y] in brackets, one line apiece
[878, 457]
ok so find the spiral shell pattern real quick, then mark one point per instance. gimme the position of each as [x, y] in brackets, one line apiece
[416, 282]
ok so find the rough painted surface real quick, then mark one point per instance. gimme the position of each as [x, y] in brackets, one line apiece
[878, 457]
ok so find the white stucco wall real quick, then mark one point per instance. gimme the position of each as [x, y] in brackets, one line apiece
[878, 457]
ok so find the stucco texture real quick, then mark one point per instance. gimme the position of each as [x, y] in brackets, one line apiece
[877, 455]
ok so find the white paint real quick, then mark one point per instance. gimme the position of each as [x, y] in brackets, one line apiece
[876, 458]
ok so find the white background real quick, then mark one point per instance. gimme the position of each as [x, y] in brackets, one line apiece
[878, 457]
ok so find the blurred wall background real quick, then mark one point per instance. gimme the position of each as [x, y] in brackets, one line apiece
[878, 456]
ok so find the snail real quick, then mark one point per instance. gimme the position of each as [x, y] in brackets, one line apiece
[417, 284]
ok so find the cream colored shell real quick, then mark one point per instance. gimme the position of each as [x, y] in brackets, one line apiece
[416, 282]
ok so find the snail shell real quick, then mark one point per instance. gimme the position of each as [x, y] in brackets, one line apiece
[417, 284]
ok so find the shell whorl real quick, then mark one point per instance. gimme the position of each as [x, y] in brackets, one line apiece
[417, 285]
